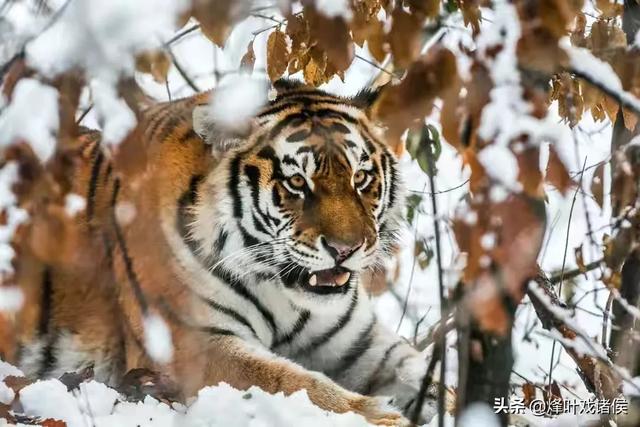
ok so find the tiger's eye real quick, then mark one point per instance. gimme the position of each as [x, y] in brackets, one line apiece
[297, 181]
[359, 177]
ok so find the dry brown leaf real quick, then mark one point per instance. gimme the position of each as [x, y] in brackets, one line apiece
[298, 32]
[557, 15]
[529, 391]
[609, 8]
[332, 36]
[538, 50]
[578, 34]
[579, 259]
[404, 37]
[314, 71]
[50, 422]
[216, 17]
[154, 62]
[405, 104]
[611, 107]
[248, 59]
[557, 174]
[490, 281]
[277, 54]
[377, 42]
[630, 119]
[471, 14]
[429, 8]
[597, 185]
[529, 174]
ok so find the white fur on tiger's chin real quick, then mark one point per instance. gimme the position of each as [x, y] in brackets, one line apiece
[157, 339]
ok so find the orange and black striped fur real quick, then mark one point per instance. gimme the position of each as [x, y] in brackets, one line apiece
[251, 247]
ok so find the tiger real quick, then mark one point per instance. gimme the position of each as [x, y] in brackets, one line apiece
[252, 244]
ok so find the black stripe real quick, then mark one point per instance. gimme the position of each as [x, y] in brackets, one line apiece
[304, 317]
[286, 121]
[114, 192]
[234, 181]
[327, 112]
[126, 259]
[373, 378]
[298, 136]
[171, 124]
[48, 359]
[220, 241]
[232, 313]
[339, 127]
[46, 302]
[98, 157]
[356, 350]
[156, 119]
[385, 174]
[183, 215]
[342, 322]
[240, 288]
[212, 330]
[191, 134]
[253, 173]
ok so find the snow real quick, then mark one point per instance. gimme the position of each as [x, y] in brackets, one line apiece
[157, 338]
[216, 406]
[501, 165]
[583, 61]
[103, 36]
[125, 212]
[14, 215]
[37, 126]
[333, 8]
[478, 415]
[11, 299]
[631, 388]
[74, 204]
[237, 100]
[116, 117]
[7, 394]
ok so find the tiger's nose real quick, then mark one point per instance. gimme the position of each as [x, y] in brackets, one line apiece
[340, 251]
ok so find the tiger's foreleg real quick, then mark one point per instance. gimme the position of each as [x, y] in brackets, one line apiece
[243, 364]
[390, 366]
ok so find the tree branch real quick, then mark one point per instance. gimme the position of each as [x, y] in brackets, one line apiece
[597, 374]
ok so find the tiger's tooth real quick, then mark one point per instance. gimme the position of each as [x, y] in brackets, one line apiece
[313, 280]
[343, 278]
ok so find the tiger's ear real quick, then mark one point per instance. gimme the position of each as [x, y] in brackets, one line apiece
[221, 138]
[367, 99]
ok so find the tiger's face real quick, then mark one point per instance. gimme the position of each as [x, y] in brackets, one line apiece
[312, 195]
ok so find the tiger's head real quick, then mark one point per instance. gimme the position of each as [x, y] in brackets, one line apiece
[310, 194]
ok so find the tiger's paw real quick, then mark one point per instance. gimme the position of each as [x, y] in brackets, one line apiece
[379, 411]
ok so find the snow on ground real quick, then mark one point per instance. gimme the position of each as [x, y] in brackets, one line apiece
[94, 404]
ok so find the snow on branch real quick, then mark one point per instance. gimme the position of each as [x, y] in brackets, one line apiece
[600, 74]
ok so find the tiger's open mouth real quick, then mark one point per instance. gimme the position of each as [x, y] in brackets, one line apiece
[333, 280]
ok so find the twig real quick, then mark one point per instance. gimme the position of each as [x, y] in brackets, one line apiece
[600, 376]
[441, 344]
[413, 269]
[84, 113]
[182, 72]
[181, 34]
[605, 321]
[373, 64]
[462, 184]
[577, 272]
[621, 100]
[564, 260]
